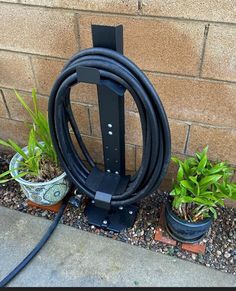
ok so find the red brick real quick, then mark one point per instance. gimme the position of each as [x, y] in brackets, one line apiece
[161, 236]
[198, 248]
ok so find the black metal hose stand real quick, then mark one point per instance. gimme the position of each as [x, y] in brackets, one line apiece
[113, 194]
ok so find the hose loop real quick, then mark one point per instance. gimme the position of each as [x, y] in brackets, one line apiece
[155, 128]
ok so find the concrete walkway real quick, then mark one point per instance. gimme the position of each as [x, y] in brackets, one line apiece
[78, 258]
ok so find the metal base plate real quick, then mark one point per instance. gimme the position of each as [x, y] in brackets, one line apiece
[115, 219]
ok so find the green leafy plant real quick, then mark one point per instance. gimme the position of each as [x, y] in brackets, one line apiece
[201, 186]
[40, 147]
[40, 126]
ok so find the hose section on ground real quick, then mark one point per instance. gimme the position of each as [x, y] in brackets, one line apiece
[38, 247]
[114, 67]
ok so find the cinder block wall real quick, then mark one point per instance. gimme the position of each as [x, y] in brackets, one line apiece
[186, 47]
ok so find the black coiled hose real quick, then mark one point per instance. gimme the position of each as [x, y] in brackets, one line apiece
[155, 128]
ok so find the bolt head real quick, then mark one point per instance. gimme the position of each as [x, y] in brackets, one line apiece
[110, 132]
[109, 125]
[116, 172]
[105, 222]
[108, 171]
[76, 192]
[121, 207]
[130, 212]
[93, 201]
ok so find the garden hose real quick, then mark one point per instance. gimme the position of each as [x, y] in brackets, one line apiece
[38, 247]
[114, 67]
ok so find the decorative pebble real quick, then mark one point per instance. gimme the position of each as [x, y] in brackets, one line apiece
[44, 213]
[227, 255]
[218, 253]
[194, 256]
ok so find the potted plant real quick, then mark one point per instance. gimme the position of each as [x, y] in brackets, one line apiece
[36, 166]
[199, 188]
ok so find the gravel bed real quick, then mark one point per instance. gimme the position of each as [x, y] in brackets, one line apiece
[220, 240]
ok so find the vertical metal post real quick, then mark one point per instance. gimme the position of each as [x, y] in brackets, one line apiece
[111, 110]
[111, 104]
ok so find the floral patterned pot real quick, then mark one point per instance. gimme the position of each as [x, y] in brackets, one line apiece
[43, 193]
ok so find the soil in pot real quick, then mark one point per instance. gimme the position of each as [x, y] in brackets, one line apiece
[183, 230]
[48, 171]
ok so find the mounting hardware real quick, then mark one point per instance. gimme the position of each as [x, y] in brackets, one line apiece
[116, 172]
[130, 212]
[76, 199]
[117, 220]
[105, 222]
[103, 199]
[110, 132]
[121, 207]
[109, 125]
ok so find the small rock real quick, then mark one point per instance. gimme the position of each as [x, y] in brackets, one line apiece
[194, 256]
[227, 255]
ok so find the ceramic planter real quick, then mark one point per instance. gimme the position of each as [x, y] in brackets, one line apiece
[182, 230]
[43, 193]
